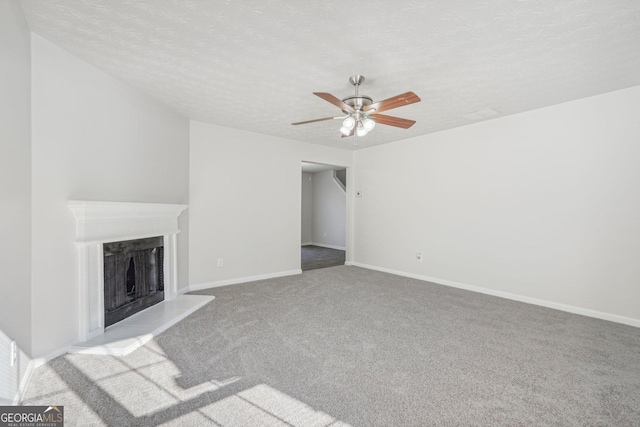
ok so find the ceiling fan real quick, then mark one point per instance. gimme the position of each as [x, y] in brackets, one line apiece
[362, 114]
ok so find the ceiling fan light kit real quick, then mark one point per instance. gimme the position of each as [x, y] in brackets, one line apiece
[348, 125]
[361, 131]
[368, 124]
[362, 113]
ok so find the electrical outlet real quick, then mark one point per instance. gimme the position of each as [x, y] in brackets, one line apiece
[419, 256]
[220, 262]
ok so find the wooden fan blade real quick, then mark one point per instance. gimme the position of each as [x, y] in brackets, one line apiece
[392, 121]
[393, 102]
[335, 101]
[316, 120]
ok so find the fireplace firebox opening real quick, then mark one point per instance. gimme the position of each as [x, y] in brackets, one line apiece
[133, 277]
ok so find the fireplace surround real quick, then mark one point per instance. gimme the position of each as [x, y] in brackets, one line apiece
[99, 222]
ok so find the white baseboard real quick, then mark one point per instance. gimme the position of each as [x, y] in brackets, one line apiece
[324, 245]
[246, 279]
[41, 360]
[182, 291]
[33, 365]
[307, 244]
[515, 297]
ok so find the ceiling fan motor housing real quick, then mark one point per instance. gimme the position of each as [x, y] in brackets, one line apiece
[357, 101]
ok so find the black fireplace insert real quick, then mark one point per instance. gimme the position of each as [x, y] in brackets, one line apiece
[133, 277]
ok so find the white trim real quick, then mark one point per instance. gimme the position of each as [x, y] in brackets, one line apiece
[515, 297]
[182, 291]
[324, 245]
[41, 360]
[307, 244]
[22, 388]
[246, 279]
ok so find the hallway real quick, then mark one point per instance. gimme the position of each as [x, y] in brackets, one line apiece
[314, 257]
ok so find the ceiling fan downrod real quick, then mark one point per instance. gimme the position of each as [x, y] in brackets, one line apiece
[356, 80]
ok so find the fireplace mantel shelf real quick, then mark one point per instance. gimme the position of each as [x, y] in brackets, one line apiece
[100, 221]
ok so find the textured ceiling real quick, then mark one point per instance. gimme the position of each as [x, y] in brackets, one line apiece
[254, 64]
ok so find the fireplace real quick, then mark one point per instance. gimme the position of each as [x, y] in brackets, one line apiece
[105, 228]
[133, 277]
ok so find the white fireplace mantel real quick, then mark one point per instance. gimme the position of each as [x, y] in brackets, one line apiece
[101, 222]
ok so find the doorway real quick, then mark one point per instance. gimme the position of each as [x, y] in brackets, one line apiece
[323, 216]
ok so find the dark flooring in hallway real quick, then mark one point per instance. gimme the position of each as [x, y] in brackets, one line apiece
[314, 257]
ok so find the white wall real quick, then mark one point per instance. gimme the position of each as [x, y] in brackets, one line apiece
[307, 208]
[94, 138]
[329, 211]
[245, 201]
[15, 193]
[543, 204]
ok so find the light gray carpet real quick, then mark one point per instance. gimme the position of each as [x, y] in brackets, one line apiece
[345, 345]
[314, 257]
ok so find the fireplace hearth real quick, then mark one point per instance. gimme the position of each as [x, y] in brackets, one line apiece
[133, 277]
